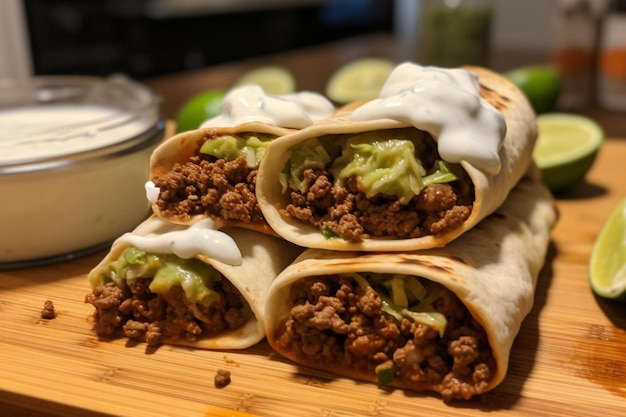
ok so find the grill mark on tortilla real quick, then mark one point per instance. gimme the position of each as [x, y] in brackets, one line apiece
[453, 259]
[459, 260]
[428, 264]
[497, 100]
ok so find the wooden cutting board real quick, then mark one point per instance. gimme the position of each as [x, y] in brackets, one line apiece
[569, 358]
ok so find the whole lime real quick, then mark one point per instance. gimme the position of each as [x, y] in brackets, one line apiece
[541, 84]
[199, 108]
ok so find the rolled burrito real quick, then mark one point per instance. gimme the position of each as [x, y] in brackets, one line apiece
[414, 169]
[171, 284]
[440, 320]
[211, 172]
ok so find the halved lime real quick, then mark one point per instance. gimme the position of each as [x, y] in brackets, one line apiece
[199, 108]
[361, 79]
[540, 83]
[566, 148]
[607, 265]
[272, 78]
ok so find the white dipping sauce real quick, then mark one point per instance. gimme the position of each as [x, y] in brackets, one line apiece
[49, 131]
[199, 239]
[251, 104]
[74, 157]
[447, 104]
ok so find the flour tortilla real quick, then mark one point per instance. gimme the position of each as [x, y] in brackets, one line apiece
[181, 147]
[264, 257]
[492, 269]
[490, 190]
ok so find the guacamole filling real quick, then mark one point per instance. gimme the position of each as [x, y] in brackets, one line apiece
[219, 180]
[155, 298]
[394, 329]
[388, 183]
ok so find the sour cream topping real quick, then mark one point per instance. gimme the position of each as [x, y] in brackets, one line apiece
[251, 104]
[447, 104]
[152, 192]
[201, 238]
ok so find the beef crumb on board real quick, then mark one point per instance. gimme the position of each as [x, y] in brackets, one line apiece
[48, 311]
[222, 378]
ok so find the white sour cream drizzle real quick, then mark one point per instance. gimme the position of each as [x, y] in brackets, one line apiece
[152, 192]
[251, 104]
[445, 103]
[201, 238]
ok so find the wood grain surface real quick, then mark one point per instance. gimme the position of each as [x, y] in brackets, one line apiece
[569, 358]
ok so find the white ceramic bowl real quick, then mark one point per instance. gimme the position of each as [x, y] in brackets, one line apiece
[74, 158]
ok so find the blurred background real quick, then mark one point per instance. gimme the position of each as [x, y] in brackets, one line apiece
[144, 38]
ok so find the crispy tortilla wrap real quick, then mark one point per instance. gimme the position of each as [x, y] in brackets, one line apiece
[213, 301]
[346, 185]
[211, 172]
[441, 319]
[199, 174]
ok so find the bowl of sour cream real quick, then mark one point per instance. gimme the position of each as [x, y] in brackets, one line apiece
[74, 157]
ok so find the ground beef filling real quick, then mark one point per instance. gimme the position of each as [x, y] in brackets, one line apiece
[349, 214]
[335, 323]
[139, 314]
[208, 186]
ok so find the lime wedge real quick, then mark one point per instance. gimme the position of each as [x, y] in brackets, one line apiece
[199, 108]
[607, 266]
[361, 79]
[272, 79]
[540, 83]
[566, 148]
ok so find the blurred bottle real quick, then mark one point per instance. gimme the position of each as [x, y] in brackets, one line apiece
[612, 58]
[455, 32]
[575, 50]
